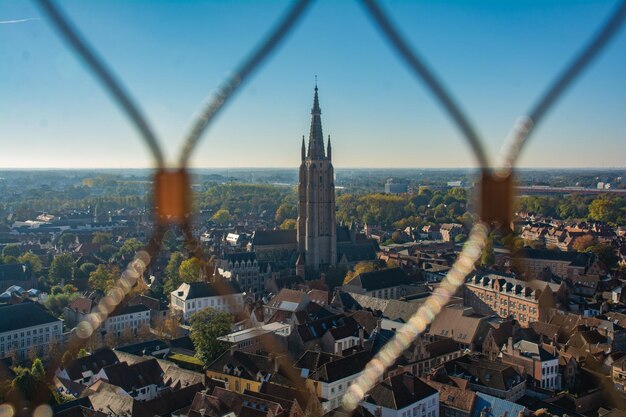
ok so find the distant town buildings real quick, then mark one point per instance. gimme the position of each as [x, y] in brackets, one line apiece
[396, 186]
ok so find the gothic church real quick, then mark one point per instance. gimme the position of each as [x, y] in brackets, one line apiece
[316, 226]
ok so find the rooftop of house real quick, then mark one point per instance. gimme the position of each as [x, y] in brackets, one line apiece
[26, 314]
[493, 406]
[14, 272]
[342, 368]
[399, 391]
[90, 363]
[274, 237]
[287, 299]
[482, 371]
[202, 289]
[135, 376]
[380, 279]
[461, 324]
[451, 396]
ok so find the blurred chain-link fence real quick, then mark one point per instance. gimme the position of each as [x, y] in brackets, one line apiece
[172, 194]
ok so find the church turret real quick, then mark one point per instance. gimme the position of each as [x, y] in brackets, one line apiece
[316, 138]
[329, 150]
[303, 152]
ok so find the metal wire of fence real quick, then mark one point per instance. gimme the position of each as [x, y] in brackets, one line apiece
[172, 194]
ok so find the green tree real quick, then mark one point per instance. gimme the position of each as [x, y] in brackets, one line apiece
[84, 270]
[104, 277]
[582, 243]
[25, 385]
[9, 259]
[284, 212]
[37, 370]
[170, 240]
[67, 358]
[128, 249]
[103, 238]
[25, 388]
[206, 326]
[488, 257]
[397, 237]
[82, 353]
[605, 254]
[460, 238]
[69, 288]
[57, 302]
[11, 250]
[62, 269]
[222, 217]
[605, 209]
[288, 224]
[191, 270]
[32, 260]
[359, 268]
[107, 251]
[172, 277]
[67, 239]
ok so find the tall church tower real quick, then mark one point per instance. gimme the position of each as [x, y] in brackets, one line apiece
[317, 231]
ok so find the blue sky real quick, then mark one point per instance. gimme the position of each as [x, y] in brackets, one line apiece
[495, 56]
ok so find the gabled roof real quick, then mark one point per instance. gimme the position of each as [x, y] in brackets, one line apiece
[94, 363]
[342, 368]
[313, 359]
[380, 279]
[573, 258]
[14, 272]
[339, 325]
[274, 237]
[22, 315]
[249, 364]
[202, 289]
[392, 309]
[460, 324]
[287, 299]
[240, 256]
[482, 371]
[135, 376]
[451, 396]
[123, 309]
[495, 407]
[399, 391]
[82, 305]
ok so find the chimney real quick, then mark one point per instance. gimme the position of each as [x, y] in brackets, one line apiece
[361, 336]
[509, 347]
[379, 324]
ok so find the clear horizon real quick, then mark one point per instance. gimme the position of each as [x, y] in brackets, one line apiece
[495, 57]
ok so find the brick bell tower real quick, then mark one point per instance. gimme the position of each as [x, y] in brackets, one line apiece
[317, 226]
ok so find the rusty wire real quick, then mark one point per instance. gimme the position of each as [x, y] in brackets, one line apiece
[105, 75]
[419, 67]
[471, 251]
[241, 74]
[525, 124]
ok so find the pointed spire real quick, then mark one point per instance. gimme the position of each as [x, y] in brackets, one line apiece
[329, 149]
[303, 149]
[316, 138]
